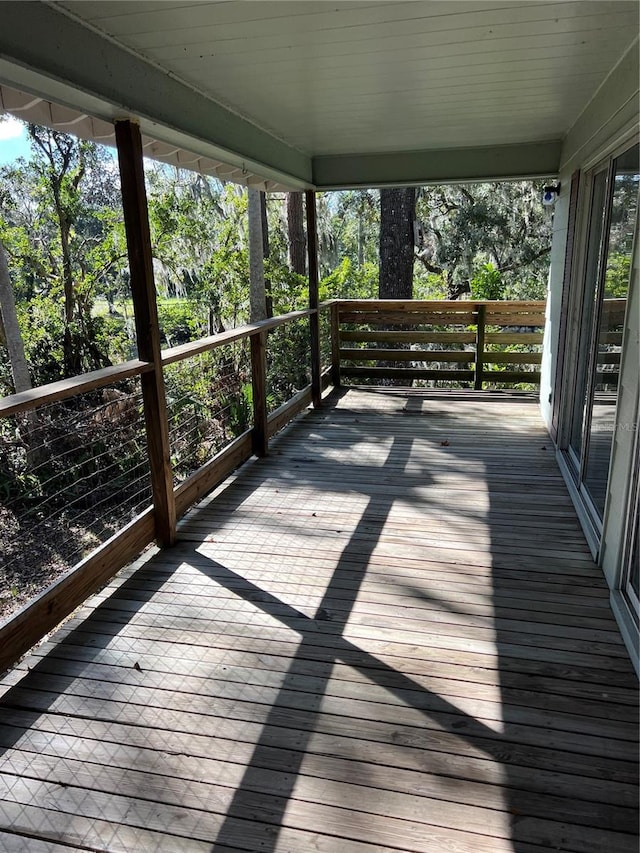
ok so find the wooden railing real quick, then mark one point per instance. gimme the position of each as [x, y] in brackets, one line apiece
[40, 615]
[460, 342]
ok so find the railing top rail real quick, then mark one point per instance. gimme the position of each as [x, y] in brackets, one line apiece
[441, 305]
[169, 356]
[54, 392]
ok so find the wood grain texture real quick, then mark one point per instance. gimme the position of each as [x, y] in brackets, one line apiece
[314, 320]
[54, 392]
[386, 635]
[143, 295]
[191, 348]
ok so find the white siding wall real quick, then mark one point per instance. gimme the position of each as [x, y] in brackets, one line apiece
[612, 114]
[554, 297]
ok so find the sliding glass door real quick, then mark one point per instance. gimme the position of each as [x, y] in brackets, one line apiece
[631, 558]
[612, 223]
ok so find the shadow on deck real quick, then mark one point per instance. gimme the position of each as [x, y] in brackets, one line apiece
[388, 635]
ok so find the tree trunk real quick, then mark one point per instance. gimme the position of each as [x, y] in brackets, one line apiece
[257, 302]
[266, 251]
[397, 215]
[11, 330]
[11, 337]
[72, 365]
[297, 239]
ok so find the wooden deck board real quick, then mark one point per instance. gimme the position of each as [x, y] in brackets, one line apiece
[388, 635]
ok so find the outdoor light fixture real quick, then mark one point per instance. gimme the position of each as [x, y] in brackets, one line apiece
[550, 195]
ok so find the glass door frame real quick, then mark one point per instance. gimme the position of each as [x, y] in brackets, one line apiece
[632, 534]
[581, 339]
[580, 392]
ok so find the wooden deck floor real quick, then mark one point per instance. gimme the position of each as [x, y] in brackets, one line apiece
[389, 635]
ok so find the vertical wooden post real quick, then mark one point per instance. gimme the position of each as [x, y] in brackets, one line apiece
[563, 326]
[335, 344]
[314, 319]
[260, 434]
[481, 311]
[143, 293]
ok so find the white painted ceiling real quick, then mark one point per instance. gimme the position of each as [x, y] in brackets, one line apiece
[367, 77]
[329, 94]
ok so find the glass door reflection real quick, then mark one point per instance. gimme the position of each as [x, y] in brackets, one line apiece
[613, 216]
[611, 310]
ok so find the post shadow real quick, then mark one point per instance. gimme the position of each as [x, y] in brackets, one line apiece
[373, 518]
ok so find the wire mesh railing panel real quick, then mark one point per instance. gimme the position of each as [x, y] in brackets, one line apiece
[209, 403]
[72, 473]
[288, 362]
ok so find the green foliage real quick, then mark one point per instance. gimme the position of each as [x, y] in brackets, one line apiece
[42, 330]
[179, 321]
[288, 367]
[208, 404]
[92, 341]
[617, 276]
[289, 291]
[198, 231]
[428, 285]
[487, 282]
[16, 482]
[350, 281]
[463, 228]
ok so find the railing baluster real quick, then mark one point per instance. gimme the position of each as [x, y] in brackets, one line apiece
[481, 309]
[260, 434]
[335, 344]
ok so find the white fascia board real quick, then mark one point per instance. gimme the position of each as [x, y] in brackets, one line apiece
[433, 166]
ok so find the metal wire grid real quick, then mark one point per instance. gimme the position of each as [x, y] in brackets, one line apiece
[209, 403]
[71, 474]
[288, 362]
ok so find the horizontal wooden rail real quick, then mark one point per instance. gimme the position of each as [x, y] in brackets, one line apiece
[409, 305]
[513, 337]
[512, 357]
[408, 373]
[412, 337]
[404, 351]
[407, 355]
[54, 392]
[511, 377]
[188, 350]
[406, 318]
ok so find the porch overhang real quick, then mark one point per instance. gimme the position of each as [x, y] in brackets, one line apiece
[519, 162]
[479, 91]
